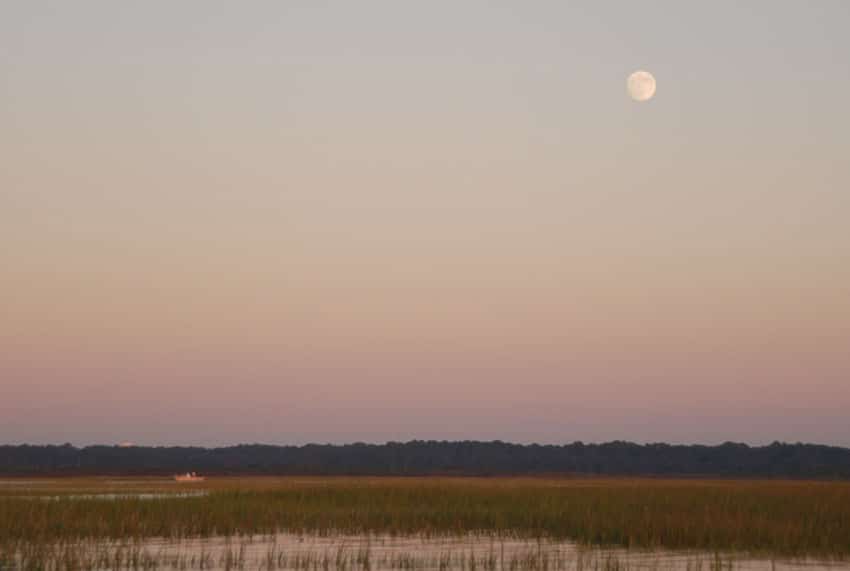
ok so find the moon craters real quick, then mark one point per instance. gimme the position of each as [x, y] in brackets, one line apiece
[641, 85]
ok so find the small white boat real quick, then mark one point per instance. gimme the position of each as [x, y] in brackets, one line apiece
[189, 477]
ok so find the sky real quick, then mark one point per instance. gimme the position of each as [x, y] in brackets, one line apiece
[291, 222]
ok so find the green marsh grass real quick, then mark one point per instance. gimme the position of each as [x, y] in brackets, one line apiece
[772, 518]
[268, 556]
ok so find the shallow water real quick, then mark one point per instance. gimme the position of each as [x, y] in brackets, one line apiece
[26, 482]
[116, 496]
[387, 553]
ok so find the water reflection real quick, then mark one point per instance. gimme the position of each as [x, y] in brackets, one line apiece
[296, 552]
[115, 496]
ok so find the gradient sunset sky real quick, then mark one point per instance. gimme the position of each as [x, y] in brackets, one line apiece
[292, 222]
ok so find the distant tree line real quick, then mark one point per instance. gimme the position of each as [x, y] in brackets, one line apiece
[437, 458]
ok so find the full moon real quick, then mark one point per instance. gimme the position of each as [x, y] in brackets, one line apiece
[641, 86]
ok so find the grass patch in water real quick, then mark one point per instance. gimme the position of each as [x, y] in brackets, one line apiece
[775, 518]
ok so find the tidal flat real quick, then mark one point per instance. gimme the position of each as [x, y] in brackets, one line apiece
[470, 524]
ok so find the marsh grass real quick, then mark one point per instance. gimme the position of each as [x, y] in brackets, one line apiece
[93, 555]
[791, 519]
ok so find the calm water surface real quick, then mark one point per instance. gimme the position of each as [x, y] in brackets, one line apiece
[115, 496]
[295, 552]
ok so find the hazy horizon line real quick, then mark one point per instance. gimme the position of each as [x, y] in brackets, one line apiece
[441, 441]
